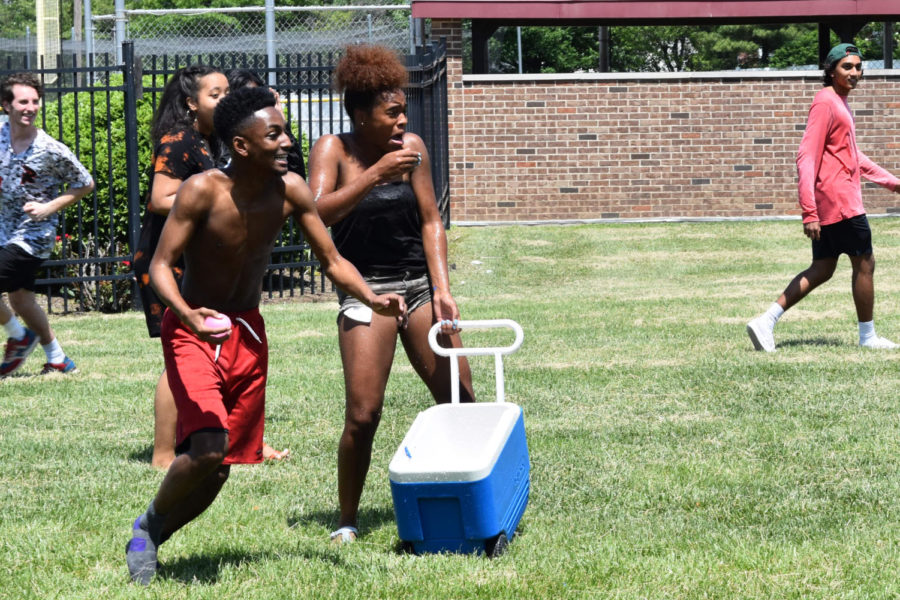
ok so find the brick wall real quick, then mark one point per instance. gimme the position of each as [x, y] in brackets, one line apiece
[619, 146]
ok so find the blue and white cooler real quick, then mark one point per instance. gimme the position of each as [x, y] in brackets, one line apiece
[460, 478]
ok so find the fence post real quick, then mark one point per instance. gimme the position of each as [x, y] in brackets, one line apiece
[132, 173]
[270, 42]
[88, 33]
[120, 29]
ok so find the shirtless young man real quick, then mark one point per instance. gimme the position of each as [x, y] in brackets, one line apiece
[225, 223]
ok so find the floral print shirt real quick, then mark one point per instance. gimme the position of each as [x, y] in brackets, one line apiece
[37, 174]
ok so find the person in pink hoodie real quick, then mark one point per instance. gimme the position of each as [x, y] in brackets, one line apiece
[829, 165]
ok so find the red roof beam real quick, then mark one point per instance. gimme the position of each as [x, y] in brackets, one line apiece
[646, 10]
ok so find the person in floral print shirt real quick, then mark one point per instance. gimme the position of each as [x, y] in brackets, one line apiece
[33, 168]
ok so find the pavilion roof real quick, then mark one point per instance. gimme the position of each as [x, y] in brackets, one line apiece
[637, 11]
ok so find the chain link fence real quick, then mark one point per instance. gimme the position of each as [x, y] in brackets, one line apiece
[294, 30]
[297, 30]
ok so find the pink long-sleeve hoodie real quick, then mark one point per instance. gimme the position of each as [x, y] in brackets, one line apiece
[830, 164]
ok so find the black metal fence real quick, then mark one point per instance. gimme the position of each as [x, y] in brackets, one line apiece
[102, 111]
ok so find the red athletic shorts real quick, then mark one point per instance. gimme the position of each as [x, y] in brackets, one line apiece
[219, 393]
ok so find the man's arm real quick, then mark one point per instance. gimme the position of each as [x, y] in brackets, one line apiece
[809, 158]
[38, 211]
[191, 206]
[336, 267]
[68, 171]
[875, 173]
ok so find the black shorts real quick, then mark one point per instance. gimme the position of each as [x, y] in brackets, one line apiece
[851, 237]
[17, 268]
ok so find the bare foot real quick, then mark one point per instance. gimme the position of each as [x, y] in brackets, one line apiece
[162, 461]
[270, 453]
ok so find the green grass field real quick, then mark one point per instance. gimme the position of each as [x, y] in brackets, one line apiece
[668, 460]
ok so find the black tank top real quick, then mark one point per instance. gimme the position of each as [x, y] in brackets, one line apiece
[383, 234]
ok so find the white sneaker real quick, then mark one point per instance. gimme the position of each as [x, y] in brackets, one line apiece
[877, 342]
[761, 334]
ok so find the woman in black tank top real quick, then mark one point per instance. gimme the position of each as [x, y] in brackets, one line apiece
[373, 187]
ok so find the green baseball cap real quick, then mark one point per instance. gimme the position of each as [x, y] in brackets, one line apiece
[839, 52]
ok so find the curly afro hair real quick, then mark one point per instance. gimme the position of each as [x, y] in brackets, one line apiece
[365, 73]
[234, 111]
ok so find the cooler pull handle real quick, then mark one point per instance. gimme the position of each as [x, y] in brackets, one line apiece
[497, 352]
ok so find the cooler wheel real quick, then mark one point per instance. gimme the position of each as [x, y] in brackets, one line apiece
[496, 545]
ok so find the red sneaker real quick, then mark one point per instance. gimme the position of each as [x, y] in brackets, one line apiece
[66, 366]
[17, 351]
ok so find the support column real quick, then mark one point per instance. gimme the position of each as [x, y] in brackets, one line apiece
[888, 52]
[846, 30]
[481, 33]
[603, 37]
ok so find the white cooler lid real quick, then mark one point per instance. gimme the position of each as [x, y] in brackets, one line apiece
[454, 442]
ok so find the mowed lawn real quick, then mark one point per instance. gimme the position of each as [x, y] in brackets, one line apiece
[668, 459]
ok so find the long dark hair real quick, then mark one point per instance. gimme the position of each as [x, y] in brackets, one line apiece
[241, 78]
[173, 113]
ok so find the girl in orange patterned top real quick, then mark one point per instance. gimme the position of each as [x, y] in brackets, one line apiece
[184, 144]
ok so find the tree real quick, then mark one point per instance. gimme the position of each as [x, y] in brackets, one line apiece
[725, 47]
[870, 40]
[672, 48]
[18, 15]
[15, 16]
[803, 49]
[666, 48]
[550, 49]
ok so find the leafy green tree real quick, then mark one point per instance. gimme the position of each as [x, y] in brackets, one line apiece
[549, 49]
[15, 16]
[67, 14]
[725, 47]
[802, 49]
[870, 40]
[666, 48]
[672, 48]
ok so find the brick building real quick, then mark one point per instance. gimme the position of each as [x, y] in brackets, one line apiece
[647, 145]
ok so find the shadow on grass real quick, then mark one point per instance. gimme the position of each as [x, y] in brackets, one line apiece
[143, 456]
[207, 567]
[369, 518]
[834, 342]
[21, 374]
